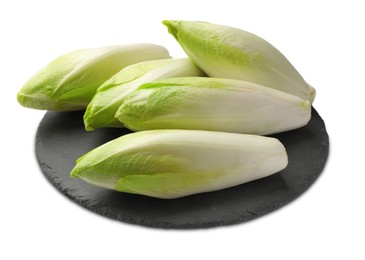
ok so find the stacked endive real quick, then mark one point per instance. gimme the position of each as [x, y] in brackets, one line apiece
[200, 121]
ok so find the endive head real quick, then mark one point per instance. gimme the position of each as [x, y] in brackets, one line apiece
[176, 163]
[70, 81]
[227, 52]
[109, 97]
[213, 104]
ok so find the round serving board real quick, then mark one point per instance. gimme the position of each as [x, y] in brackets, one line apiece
[61, 139]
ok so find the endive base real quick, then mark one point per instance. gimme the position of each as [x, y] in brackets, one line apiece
[61, 139]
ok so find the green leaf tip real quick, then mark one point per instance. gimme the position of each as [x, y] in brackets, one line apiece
[170, 24]
[73, 173]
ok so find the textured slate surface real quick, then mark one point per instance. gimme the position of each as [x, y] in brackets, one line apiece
[61, 139]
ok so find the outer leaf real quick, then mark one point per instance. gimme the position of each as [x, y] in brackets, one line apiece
[109, 97]
[176, 163]
[213, 104]
[227, 52]
[70, 81]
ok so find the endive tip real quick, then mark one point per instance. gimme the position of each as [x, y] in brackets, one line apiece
[88, 124]
[89, 128]
[73, 173]
[19, 98]
[77, 169]
[167, 22]
[88, 121]
[171, 26]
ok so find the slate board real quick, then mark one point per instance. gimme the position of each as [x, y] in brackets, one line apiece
[61, 139]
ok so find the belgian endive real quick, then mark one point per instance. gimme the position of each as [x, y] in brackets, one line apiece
[70, 81]
[174, 163]
[109, 97]
[227, 52]
[213, 104]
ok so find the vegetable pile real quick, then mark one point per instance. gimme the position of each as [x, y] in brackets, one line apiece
[200, 121]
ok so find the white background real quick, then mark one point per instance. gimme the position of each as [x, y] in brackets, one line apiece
[324, 40]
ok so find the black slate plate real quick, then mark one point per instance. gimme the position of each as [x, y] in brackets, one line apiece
[61, 139]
